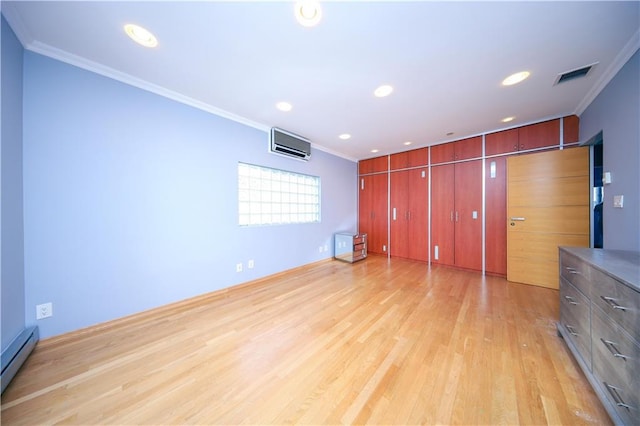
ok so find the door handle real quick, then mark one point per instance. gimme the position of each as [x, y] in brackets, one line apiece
[519, 219]
[394, 213]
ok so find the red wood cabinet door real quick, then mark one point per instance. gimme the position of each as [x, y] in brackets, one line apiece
[496, 215]
[442, 214]
[373, 165]
[365, 204]
[468, 148]
[570, 129]
[468, 215]
[418, 230]
[539, 135]
[418, 157]
[442, 153]
[377, 239]
[501, 142]
[399, 160]
[399, 223]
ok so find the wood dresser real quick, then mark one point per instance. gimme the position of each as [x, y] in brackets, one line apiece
[600, 322]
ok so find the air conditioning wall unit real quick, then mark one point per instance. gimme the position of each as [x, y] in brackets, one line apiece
[288, 144]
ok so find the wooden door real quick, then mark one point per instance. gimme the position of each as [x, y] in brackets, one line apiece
[496, 215]
[442, 214]
[399, 223]
[377, 242]
[442, 153]
[418, 226]
[468, 215]
[548, 206]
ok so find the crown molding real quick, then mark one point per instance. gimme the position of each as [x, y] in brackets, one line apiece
[619, 61]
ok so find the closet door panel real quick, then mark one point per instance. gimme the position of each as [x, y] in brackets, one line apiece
[468, 215]
[442, 214]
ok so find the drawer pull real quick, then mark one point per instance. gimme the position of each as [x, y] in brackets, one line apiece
[616, 397]
[571, 300]
[572, 331]
[612, 302]
[612, 348]
[572, 270]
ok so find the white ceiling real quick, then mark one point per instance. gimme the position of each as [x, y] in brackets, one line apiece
[445, 60]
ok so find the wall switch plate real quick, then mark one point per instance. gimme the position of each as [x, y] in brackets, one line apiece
[250, 264]
[44, 310]
[238, 267]
[618, 201]
[606, 178]
[474, 214]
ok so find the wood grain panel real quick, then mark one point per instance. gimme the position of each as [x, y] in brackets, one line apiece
[399, 225]
[418, 230]
[442, 153]
[501, 142]
[549, 164]
[376, 342]
[571, 129]
[413, 158]
[442, 214]
[539, 135]
[373, 165]
[543, 192]
[466, 149]
[468, 200]
[533, 271]
[555, 220]
[549, 193]
[496, 216]
[543, 246]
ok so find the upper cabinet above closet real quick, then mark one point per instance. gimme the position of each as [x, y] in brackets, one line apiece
[463, 149]
[533, 136]
[373, 165]
[408, 159]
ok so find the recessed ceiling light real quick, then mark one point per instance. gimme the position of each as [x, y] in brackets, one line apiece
[345, 136]
[515, 78]
[375, 150]
[408, 143]
[284, 106]
[141, 35]
[308, 13]
[383, 91]
[507, 119]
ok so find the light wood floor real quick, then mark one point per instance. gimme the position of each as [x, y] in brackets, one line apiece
[377, 342]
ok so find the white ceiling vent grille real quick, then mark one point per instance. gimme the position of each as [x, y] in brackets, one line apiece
[573, 74]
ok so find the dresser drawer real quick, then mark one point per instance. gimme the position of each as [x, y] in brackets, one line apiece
[618, 301]
[616, 365]
[575, 317]
[575, 271]
[360, 239]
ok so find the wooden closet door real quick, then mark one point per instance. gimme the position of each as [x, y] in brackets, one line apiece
[377, 240]
[372, 211]
[442, 214]
[496, 215]
[399, 195]
[468, 215]
[418, 206]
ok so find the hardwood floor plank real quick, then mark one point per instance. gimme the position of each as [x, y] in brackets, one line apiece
[376, 342]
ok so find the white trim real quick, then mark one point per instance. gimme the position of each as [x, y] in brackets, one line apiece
[80, 62]
[620, 60]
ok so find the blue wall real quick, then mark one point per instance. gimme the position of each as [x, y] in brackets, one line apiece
[615, 111]
[12, 259]
[131, 199]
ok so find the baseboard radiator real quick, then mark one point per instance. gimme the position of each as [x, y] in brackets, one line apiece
[16, 354]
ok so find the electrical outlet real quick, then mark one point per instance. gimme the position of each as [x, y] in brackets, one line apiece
[250, 264]
[238, 267]
[44, 311]
[326, 247]
[320, 249]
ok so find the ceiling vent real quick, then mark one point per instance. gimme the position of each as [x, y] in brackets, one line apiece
[573, 74]
[288, 144]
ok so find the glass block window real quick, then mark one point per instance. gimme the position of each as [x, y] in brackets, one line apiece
[269, 196]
